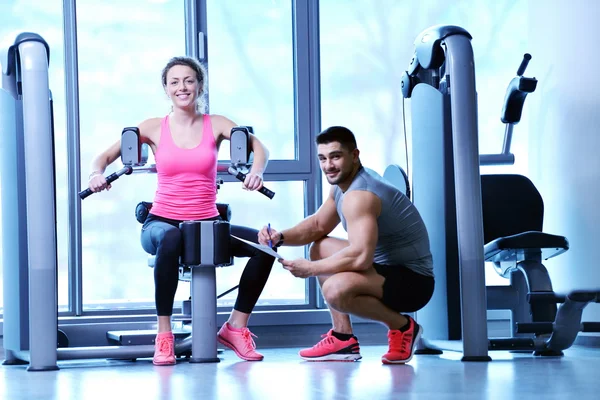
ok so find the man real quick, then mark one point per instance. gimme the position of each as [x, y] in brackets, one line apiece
[384, 268]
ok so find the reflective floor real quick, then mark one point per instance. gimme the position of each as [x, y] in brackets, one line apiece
[282, 375]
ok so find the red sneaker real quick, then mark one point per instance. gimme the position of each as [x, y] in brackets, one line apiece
[240, 341]
[164, 349]
[332, 349]
[402, 344]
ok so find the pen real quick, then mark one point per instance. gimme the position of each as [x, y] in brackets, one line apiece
[269, 232]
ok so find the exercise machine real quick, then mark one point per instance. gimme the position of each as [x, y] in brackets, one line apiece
[444, 118]
[472, 219]
[31, 332]
[205, 246]
[28, 211]
[134, 155]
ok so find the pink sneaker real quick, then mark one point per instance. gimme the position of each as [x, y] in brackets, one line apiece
[164, 349]
[240, 341]
[332, 349]
[402, 344]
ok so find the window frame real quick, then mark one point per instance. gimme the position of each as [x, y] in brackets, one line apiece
[304, 168]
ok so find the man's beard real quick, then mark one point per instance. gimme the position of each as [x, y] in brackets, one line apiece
[341, 177]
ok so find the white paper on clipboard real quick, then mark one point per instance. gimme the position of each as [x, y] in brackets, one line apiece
[263, 248]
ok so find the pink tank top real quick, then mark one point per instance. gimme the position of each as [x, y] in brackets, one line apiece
[187, 188]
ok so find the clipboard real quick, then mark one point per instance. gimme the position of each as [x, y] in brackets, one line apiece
[261, 247]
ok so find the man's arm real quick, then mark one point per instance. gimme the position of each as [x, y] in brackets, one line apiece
[361, 210]
[316, 226]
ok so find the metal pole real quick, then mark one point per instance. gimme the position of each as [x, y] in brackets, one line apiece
[73, 155]
[507, 139]
[204, 315]
[41, 220]
[469, 213]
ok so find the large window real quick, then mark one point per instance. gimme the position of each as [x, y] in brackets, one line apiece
[45, 19]
[123, 47]
[251, 75]
[254, 210]
[251, 81]
[365, 48]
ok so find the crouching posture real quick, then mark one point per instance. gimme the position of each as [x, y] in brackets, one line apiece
[385, 267]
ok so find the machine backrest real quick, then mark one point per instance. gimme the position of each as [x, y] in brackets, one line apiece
[397, 177]
[511, 204]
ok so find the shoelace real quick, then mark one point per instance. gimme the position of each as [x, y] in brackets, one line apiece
[165, 346]
[328, 340]
[400, 341]
[406, 342]
[248, 341]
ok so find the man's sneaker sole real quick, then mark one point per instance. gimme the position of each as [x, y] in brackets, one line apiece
[412, 352]
[237, 353]
[334, 357]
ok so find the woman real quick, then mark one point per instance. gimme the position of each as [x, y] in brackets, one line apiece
[185, 145]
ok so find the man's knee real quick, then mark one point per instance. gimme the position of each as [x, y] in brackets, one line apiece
[314, 251]
[336, 294]
[325, 247]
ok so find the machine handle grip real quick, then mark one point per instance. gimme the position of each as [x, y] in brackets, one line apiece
[267, 192]
[523, 66]
[85, 193]
[516, 93]
[109, 179]
[263, 190]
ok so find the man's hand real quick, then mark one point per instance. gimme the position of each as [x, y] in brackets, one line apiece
[266, 234]
[300, 268]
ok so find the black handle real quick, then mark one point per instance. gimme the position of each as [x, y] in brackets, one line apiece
[516, 93]
[85, 193]
[523, 66]
[109, 179]
[263, 190]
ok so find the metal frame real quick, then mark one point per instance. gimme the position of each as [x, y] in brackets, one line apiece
[446, 110]
[74, 155]
[307, 69]
[469, 214]
[33, 257]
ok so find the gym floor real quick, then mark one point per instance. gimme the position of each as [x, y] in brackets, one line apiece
[282, 375]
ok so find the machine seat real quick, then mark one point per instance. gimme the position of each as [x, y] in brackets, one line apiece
[517, 248]
[185, 272]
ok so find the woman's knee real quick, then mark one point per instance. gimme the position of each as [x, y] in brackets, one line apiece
[263, 259]
[168, 239]
[245, 233]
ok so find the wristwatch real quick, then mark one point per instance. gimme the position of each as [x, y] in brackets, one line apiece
[280, 240]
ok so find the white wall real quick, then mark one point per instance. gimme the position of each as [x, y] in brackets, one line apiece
[564, 137]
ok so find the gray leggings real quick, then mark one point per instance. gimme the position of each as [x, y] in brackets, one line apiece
[161, 237]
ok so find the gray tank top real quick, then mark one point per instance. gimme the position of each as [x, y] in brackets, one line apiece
[403, 238]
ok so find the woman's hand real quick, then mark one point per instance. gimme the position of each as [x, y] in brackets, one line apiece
[97, 182]
[253, 181]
